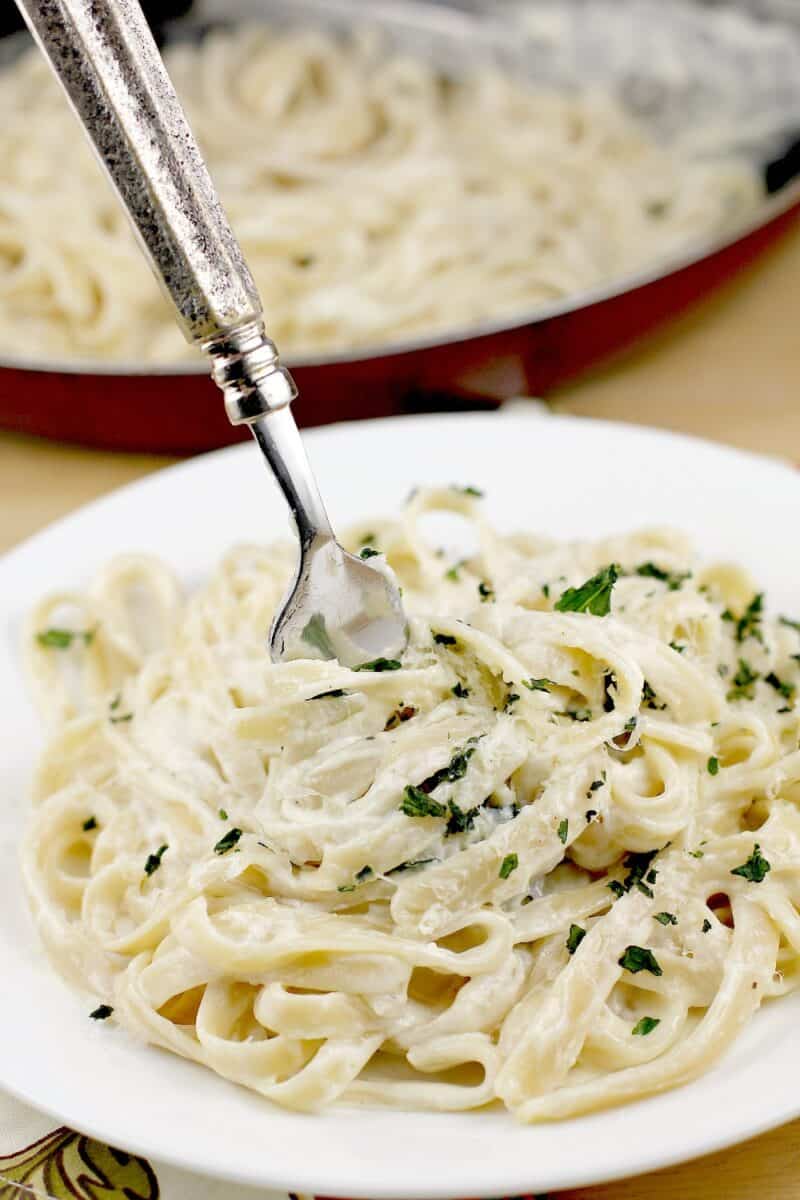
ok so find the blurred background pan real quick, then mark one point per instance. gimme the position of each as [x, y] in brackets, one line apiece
[670, 62]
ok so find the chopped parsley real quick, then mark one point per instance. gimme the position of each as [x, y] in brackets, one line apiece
[380, 664]
[575, 937]
[677, 647]
[102, 1012]
[410, 865]
[790, 624]
[596, 784]
[456, 769]
[444, 639]
[368, 552]
[639, 870]
[744, 682]
[154, 860]
[485, 591]
[546, 590]
[333, 694]
[417, 803]
[121, 719]
[223, 816]
[666, 918]
[713, 766]
[62, 639]
[639, 958]
[459, 821]
[115, 703]
[452, 573]
[749, 624]
[755, 869]
[89, 824]
[645, 1025]
[787, 690]
[563, 831]
[508, 865]
[469, 490]
[538, 685]
[360, 877]
[228, 842]
[706, 925]
[315, 634]
[673, 579]
[579, 714]
[696, 854]
[609, 682]
[649, 698]
[593, 596]
[510, 699]
[459, 691]
[590, 815]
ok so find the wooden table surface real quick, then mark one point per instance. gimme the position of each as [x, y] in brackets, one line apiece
[729, 370]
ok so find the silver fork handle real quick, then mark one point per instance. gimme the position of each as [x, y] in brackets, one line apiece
[104, 55]
[107, 62]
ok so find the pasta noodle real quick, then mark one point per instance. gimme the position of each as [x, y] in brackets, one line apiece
[550, 858]
[374, 200]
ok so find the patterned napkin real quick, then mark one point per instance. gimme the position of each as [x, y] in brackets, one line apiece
[41, 1162]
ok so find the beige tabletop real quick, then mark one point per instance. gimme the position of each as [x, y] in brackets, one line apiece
[729, 370]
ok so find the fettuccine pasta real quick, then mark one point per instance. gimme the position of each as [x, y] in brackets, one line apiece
[550, 857]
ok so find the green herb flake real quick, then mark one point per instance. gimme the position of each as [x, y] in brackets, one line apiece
[581, 715]
[228, 842]
[673, 579]
[154, 860]
[454, 573]
[510, 700]
[593, 596]
[713, 766]
[380, 664]
[787, 690]
[102, 1012]
[417, 803]
[749, 624]
[706, 925]
[696, 854]
[444, 639]
[458, 820]
[469, 490]
[538, 685]
[563, 831]
[509, 864]
[459, 691]
[223, 816]
[639, 958]
[755, 869]
[677, 647]
[574, 938]
[410, 865]
[456, 769]
[485, 591]
[616, 887]
[89, 824]
[62, 639]
[546, 590]
[368, 552]
[596, 784]
[333, 694]
[790, 624]
[744, 682]
[645, 1025]
[666, 918]
[121, 718]
[315, 634]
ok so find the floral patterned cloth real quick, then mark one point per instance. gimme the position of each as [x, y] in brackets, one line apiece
[39, 1161]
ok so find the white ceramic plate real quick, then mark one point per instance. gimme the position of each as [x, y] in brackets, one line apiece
[566, 477]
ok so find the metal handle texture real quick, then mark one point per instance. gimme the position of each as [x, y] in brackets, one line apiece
[107, 62]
